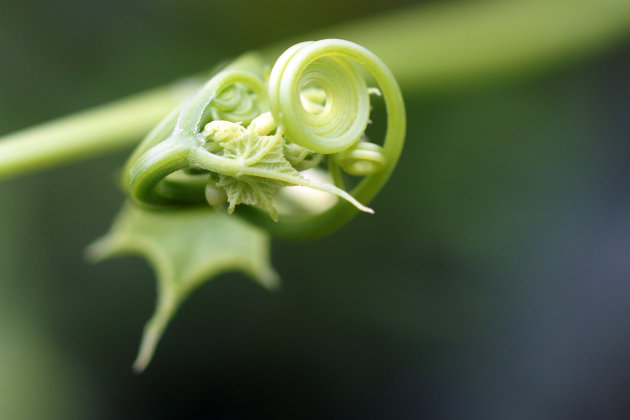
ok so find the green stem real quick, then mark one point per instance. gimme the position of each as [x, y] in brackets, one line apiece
[427, 48]
[93, 132]
[448, 44]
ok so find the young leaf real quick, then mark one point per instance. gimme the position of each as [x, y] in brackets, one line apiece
[186, 248]
[258, 167]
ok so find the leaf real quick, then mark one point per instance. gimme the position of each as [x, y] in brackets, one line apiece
[260, 165]
[252, 190]
[261, 152]
[186, 248]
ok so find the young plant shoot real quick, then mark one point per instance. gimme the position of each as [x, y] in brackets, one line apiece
[250, 131]
[233, 147]
[280, 149]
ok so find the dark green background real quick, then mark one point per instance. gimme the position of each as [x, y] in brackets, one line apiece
[493, 281]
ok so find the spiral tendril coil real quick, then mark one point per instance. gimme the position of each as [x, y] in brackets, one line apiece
[344, 115]
[363, 158]
[235, 103]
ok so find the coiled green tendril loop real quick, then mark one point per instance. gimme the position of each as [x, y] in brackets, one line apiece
[382, 160]
[235, 103]
[344, 116]
[362, 158]
[320, 105]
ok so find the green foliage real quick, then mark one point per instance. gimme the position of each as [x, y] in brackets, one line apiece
[200, 154]
[263, 166]
[186, 248]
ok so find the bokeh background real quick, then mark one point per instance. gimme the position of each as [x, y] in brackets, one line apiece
[493, 281]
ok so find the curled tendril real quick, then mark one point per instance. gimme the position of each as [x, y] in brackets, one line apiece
[342, 118]
[223, 145]
[235, 103]
[362, 158]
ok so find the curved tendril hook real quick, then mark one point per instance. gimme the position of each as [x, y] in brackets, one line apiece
[230, 148]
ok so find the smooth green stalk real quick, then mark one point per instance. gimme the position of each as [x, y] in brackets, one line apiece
[427, 48]
[448, 44]
[93, 132]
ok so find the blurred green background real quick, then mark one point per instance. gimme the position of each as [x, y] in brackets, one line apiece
[492, 282]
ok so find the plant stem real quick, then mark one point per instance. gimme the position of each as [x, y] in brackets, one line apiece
[447, 44]
[96, 131]
[427, 48]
